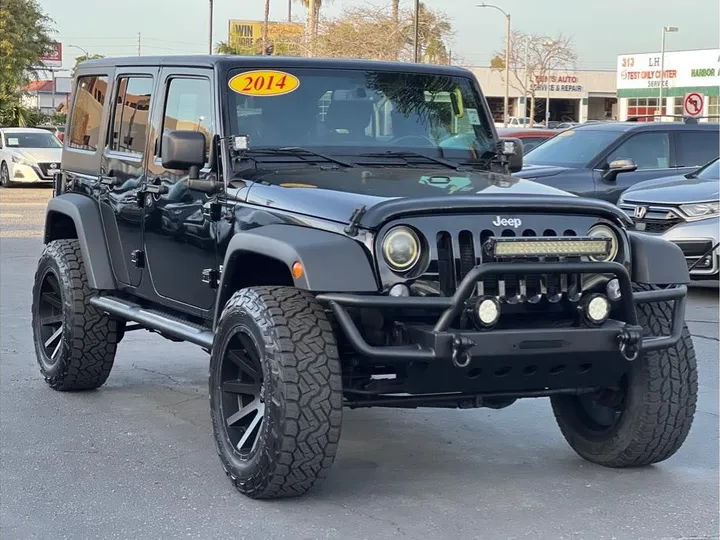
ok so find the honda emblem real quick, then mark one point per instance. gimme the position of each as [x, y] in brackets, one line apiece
[640, 211]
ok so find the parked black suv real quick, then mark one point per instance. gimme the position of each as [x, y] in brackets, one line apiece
[346, 233]
[604, 159]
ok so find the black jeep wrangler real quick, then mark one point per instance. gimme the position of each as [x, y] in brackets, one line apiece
[347, 234]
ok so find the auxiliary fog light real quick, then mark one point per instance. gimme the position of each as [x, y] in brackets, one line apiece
[399, 289]
[488, 310]
[613, 289]
[596, 308]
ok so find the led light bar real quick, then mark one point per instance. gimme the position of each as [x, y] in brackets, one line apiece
[544, 246]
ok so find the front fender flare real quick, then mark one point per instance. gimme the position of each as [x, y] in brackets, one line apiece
[331, 262]
[85, 215]
[656, 261]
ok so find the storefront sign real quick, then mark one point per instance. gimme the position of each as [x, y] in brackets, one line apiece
[54, 57]
[558, 83]
[682, 69]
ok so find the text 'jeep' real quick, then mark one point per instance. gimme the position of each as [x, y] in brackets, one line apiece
[347, 233]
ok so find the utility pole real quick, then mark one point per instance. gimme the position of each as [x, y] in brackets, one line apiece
[666, 29]
[139, 44]
[416, 55]
[289, 10]
[52, 71]
[210, 34]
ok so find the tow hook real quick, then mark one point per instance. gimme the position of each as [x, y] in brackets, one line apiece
[630, 339]
[461, 351]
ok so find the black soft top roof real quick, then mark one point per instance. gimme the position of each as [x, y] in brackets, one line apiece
[227, 62]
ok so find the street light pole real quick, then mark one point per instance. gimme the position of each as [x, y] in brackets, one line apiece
[665, 30]
[525, 85]
[87, 54]
[210, 33]
[506, 99]
[548, 45]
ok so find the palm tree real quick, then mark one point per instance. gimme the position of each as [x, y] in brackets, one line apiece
[313, 16]
[265, 27]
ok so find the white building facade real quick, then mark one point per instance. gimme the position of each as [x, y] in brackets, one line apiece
[639, 79]
[573, 95]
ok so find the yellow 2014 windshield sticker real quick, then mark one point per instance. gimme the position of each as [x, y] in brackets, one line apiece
[263, 82]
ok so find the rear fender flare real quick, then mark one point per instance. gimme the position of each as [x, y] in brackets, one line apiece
[89, 232]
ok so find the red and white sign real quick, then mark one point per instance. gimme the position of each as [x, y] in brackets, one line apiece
[693, 104]
[54, 57]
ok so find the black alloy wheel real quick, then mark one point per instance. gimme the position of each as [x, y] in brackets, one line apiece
[50, 322]
[243, 396]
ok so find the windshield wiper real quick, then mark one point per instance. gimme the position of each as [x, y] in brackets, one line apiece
[408, 155]
[294, 151]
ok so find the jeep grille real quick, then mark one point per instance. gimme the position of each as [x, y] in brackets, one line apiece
[459, 253]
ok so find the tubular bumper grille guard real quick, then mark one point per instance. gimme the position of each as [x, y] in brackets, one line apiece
[439, 342]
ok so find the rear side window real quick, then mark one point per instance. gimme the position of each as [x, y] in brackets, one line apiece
[695, 148]
[131, 118]
[87, 112]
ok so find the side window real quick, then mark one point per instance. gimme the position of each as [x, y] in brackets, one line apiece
[189, 107]
[650, 150]
[695, 148]
[131, 116]
[84, 132]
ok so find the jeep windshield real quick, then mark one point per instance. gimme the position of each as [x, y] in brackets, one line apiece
[382, 118]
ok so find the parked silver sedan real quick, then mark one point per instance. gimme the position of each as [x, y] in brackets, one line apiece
[684, 210]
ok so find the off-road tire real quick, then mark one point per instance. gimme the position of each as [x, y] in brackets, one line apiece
[302, 385]
[658, 408]
[5, 176]
[89, 336]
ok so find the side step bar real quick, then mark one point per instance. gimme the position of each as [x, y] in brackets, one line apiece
[153, 320]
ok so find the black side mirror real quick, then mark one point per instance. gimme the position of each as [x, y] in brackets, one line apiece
[619, 166]
[512, 150]
[183, 150]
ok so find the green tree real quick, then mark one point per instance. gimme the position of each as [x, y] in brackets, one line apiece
[371, 32]
[24, 38]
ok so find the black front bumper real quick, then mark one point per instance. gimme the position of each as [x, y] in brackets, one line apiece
[622, 339]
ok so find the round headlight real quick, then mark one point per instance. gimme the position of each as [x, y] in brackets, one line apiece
[401, 249]
[603, 231]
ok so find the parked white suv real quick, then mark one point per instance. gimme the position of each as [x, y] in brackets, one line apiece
[28, 155]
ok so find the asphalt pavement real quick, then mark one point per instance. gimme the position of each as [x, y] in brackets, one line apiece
[136, 459]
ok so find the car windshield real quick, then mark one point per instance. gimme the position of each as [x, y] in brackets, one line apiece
[351, 112]
[710, 172]
[31, 139]
[571, 148]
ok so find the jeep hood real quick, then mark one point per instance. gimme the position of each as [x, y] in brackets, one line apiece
[335, 194]
[673, 190]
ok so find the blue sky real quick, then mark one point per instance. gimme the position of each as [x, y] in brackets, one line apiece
[601, 29]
